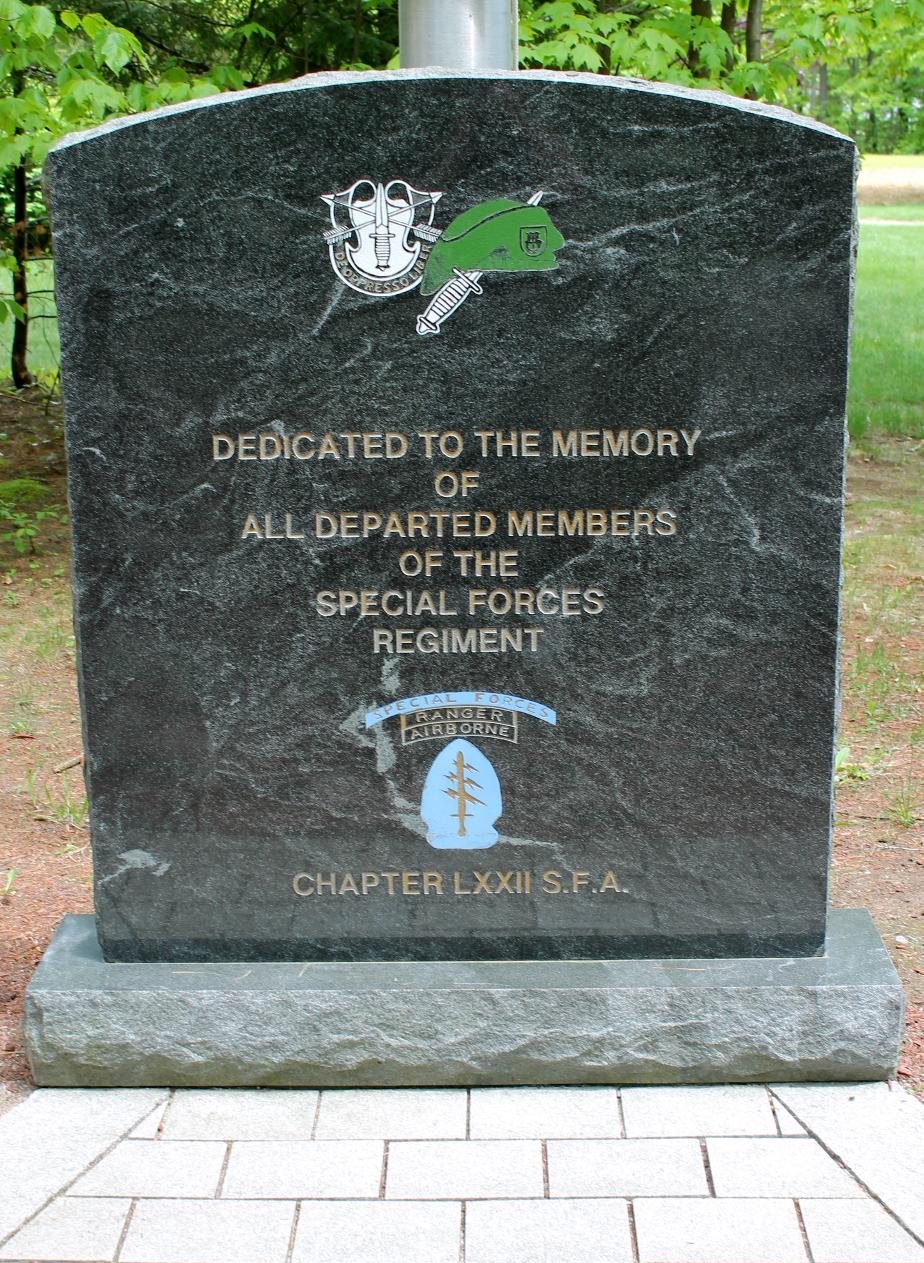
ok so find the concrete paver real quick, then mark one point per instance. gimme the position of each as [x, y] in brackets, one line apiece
[464, 1168]
[856, 1232]
[231, 1176]
[240, 1114]
[304, 1168]
[626, 1168]
[51, 1137]
[383, 1232]
[784, 1166]
[149, 1127]
[538, 1232]
[723, 1110]
[181, 1231]
[788, 1124]
[73, 1229]
[877, 1129]
[393, 1114]
[511, 1113]
[98, 1112]
[150, 1168]
[710, 1230]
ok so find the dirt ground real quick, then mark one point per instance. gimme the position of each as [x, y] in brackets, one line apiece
[878, 859]
[888, 185]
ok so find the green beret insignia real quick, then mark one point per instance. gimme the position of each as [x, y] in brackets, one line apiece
[498, 236]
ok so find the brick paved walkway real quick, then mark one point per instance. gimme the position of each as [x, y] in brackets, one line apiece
[794, 1174]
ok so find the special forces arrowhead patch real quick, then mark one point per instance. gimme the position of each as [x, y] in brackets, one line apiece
[382, 243]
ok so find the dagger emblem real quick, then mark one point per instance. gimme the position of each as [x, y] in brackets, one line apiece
[380, 235]
[453, 293]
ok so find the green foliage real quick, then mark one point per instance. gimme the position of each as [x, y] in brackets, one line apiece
[855, 64]
[654, 41]
[20, 519]
[903, 810]
[845, 771]
[55, 75]
[236, 43]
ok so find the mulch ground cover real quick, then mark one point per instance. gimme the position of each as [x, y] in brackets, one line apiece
[878, 855]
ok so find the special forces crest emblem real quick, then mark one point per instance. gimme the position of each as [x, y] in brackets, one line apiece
[381, 235]
[382, 243]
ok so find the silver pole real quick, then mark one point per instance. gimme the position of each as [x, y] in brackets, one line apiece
[459, 34]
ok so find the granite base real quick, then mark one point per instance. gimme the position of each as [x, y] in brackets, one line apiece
[834, 1017]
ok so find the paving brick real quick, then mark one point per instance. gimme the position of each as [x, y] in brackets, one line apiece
[155, 1168]
[789, 1124]
[383, 1232]
[856, 1232]
[46, 1141]
[241, 1114]
[626, 1168]
[709, 1230]
[877, 1129]
[537, 1232]
[71, 1228]
[147, 1129]
[506, 1113]
[182, 1231]
[393, 1114]
[304, 1168]
[698, 1111]
[425, 1169]
[781, 1167]
[102, 1112]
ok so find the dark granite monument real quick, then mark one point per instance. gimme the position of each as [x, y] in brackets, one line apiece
[456, 473]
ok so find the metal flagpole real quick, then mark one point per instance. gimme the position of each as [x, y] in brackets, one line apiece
[458, 34]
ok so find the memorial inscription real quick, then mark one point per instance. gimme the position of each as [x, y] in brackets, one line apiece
[457, 570]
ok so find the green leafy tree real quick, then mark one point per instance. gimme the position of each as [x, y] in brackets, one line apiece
[61, 71]
[56, 74]
[858, 64]
[262, 40]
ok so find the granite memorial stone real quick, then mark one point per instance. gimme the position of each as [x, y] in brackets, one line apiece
[456, 472]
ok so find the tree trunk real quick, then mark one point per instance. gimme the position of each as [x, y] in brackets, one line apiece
[307, 20]
[357, 23]
[808, 83]
[728, 23]
[19, 351]
[822, 91]
[698, 9]
[753, 28]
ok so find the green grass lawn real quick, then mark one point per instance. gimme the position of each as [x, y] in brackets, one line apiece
[887, 360]
[887, 368]
[906, 211]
